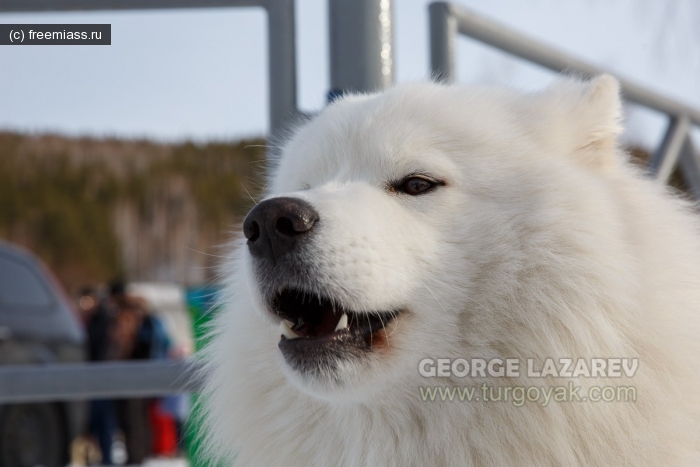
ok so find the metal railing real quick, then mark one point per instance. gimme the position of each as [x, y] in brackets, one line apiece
[63, 382]
[361, 42]
[448, 21]
[282, 76]
[76, 381]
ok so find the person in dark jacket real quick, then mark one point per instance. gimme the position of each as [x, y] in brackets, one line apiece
[101, 347]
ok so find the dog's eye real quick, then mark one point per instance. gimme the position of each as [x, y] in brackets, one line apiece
[416, 186]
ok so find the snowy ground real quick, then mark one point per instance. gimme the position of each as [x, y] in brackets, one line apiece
[166, 462]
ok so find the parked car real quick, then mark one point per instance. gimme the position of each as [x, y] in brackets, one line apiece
[37, 326]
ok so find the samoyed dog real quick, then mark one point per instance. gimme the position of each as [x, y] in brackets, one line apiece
[434, 240]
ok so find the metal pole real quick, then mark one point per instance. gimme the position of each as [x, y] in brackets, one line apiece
[666, 156]
[361, 46]
[690, 168]
[282, 64]
[443, 34]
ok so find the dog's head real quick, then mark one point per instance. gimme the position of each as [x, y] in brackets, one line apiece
[395, 223]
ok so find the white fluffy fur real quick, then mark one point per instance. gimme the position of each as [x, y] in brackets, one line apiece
[545, 242]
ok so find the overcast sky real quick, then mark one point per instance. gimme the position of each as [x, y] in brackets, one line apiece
[202, 74]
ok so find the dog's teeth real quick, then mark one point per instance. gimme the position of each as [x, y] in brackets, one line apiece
[289, 323]
[286, 330]
[342, 322]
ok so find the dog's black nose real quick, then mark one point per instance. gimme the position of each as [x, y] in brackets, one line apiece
[275, 226]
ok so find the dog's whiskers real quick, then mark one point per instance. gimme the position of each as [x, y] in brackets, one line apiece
[379, 316]
[431, 293]
[394, 314]
[209, 254]
[249, 195]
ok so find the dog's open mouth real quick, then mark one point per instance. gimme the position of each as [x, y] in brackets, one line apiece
[314, 320]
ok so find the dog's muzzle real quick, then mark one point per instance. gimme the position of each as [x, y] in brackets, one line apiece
[316, 330]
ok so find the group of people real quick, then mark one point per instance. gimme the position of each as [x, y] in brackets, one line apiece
[120, 326]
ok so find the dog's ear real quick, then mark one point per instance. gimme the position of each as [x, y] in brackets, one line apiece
[584, 117]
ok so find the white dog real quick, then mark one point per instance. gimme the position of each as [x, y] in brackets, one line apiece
[432, 222]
